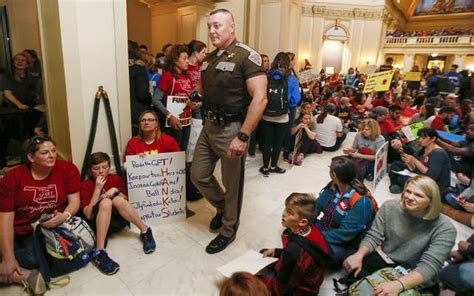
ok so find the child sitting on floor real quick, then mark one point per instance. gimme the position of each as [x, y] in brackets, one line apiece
[105, 206]
[305, 255]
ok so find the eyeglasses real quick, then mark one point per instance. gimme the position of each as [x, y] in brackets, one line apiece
[40, 139]
[148, 119]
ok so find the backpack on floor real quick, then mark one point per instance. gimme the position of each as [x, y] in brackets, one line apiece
[277, 96]
[367, 285]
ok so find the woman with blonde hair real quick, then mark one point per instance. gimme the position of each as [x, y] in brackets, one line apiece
[411, 232]
[366, 143]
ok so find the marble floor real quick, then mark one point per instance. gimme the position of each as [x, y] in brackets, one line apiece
[180, 266]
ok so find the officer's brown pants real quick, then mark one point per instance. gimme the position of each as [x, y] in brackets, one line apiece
[211, 146]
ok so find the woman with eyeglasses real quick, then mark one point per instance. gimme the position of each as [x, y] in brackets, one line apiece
[348, 209]
[42, 185]
[410, 232]
[150, 140]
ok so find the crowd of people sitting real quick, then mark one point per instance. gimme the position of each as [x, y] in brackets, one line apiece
[434, 32]
[343, 227]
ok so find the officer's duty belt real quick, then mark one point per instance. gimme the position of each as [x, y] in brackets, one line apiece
[222, 118]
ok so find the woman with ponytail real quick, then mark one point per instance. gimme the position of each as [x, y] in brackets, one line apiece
[348, 209]
[329, 129]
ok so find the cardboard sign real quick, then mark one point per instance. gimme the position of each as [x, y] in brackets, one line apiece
[411, 131]
[157, 187]
[412, 76]
[307, 76]
[196, 127]
[379, 81]
[380, 168]
[177, 106]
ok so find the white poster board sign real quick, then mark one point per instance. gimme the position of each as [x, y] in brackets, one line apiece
[177, 106]
[251, 261]
[380, 168]
[329, 70]
[196, 127]
[307, 76]
[157, 187]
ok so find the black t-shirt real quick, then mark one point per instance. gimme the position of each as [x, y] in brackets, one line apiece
[23, 90]
[344, 113]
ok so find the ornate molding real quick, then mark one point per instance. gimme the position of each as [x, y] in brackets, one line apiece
[319, 11]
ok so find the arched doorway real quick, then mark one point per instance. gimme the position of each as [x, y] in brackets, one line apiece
[334, 48]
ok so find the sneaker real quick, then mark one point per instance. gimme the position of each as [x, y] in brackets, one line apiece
[369, 177]
[395, 189]
[216, 222]
[290, 158]
[102, 261]
[35, 284]
[277, 170]
[149, 244]
[299, 159]
[265, 171]
[219, 244]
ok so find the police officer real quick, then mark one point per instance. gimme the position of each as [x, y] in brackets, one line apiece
[234, 90]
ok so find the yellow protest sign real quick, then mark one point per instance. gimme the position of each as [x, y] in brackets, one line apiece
[412, 76]
[379, 81]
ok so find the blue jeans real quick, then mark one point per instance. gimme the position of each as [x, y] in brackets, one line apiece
[449, 198]
[459, 277]
[24, 251]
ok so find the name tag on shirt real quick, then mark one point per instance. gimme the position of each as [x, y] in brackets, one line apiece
[226, 66]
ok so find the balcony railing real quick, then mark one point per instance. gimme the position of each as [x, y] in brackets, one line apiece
[456, 40]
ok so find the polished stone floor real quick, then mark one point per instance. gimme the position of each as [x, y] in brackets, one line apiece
[180, 266]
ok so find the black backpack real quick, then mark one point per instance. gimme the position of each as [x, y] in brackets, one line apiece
[277, 96]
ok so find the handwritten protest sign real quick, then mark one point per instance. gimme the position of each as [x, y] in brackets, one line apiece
[196, 127]
[411, 131]
[177, 106]
[412, 76]
[379, 81]
[307, 76]
[380, 168]
[157, 187]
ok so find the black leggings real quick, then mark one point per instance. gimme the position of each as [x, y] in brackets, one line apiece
[337, 145]
[273, 138]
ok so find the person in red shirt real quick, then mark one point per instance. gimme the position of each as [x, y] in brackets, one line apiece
[444, 117]
[386, 126]
[150, 139]
[43, 185]
[105, 205]
[175, 81]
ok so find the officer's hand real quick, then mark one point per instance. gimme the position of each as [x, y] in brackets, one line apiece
[237, 148]
[174, 122]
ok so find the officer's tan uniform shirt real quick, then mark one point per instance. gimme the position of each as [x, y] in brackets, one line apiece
[223, 78]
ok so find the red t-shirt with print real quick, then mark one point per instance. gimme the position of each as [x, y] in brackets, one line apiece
[194, 72]
[181, 86]
[30, 198]
[162, 145]
[87, 188]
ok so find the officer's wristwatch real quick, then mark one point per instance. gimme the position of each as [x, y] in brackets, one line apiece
[243, 137]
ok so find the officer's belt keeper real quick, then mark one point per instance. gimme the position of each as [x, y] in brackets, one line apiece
[221, 118]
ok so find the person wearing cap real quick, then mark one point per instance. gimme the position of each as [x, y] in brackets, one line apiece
[329, 129]
[386, 126]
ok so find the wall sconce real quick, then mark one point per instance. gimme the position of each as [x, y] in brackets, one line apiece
[306, 56]
[434, 55]
[367, 60]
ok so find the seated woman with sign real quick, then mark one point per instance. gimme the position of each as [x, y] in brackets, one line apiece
[348, 209]
[366, 144]
[150, 139]
[175, 86]
[105, 205]
[410, 232]
[43, 185]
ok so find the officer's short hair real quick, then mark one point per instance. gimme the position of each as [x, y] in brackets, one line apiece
[222, 10]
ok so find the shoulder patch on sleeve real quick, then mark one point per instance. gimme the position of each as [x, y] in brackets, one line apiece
[248, 48]
[256, 58]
